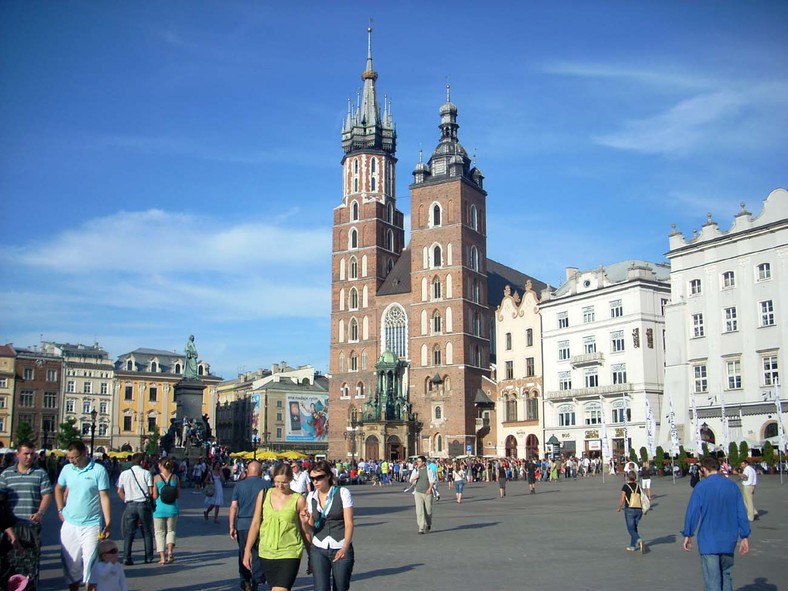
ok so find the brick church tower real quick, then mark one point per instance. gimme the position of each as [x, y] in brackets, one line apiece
[410, 325]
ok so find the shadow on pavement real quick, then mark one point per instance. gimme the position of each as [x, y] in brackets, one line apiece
[467, 526]
[671, 539]
[759, 584]
[384, 572]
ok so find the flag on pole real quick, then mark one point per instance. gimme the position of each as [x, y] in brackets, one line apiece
[780, 427]
[675, 444]
[651, 429]
[725, 434]
[696, 424]
[605, 444]
[626, 428]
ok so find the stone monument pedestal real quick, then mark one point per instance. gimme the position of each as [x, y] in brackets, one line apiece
[188, 398]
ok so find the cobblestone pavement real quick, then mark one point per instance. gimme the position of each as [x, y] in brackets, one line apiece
[567, 536]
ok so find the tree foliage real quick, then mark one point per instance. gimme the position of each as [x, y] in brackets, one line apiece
[768, 454]
[643, 454]
[68, 432]
[744, 450]
[733, 454]
[24, 432]
[152, 446]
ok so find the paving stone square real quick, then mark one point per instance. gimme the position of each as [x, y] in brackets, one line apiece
[567, 536]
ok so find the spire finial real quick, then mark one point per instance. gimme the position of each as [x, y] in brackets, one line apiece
[369, 39]
[448, 90]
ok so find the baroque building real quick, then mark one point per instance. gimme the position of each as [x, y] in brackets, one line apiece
[519, 400]
[38, 392]
[604, 351]
[411, 324]
[727, 327]
[7, 381]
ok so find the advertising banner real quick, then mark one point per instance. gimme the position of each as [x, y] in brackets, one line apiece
[307, 417]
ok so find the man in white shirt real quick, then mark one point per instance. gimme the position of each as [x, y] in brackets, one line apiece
[300, 482]
[135, 486]
[749, 480]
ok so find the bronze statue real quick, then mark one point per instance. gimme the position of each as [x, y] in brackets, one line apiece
[190, 367]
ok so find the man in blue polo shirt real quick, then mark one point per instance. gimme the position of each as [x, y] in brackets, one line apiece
[716, 510]
[29, 494]
[82, 497]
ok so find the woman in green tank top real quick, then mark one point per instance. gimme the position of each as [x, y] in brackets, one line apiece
[279, 519]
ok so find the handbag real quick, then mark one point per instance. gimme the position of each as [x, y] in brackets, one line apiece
[210, 490]
[645, 503]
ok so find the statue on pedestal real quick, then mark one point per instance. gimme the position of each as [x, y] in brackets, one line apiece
[190, 366]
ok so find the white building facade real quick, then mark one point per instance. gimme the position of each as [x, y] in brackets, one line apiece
[727, 327]
[603, 350]
[519, 401]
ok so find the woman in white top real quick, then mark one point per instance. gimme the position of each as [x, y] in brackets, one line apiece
[330, 509]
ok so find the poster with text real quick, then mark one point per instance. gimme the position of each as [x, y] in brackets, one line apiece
[307, 417]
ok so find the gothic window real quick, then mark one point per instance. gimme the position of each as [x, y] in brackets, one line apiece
[437, 323]
[353, 238]
[372, 166]
[476, 292]
[353, 274]
[436, 355]
[437, 256]
[394, 330]
[436, 288]
[389, 240]
[389, 266]
[341, 362]
[353, 336]
[474, 258]
[438, 414]
[436, 215]
[372, 183]
[353, 299]
[354, 211]
[390, 213]
[474, 218]
[360, 390]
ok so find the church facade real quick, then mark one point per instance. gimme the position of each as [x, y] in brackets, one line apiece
[411, 323]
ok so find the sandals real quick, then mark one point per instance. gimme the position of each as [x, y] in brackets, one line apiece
[170, 559]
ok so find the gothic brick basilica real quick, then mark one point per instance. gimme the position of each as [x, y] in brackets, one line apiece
[411, 323]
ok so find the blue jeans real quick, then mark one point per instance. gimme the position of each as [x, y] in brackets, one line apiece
[323, 566]
[717, 570]
[132, 513]
[255, 577]
[632, 517]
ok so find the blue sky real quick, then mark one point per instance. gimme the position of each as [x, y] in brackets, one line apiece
[171, 167]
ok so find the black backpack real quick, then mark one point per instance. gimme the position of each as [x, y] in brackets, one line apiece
[168, 493]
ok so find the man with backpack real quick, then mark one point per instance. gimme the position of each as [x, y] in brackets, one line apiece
[241, 512]
[135, 488]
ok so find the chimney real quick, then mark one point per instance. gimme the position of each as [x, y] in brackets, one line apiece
[570, 272]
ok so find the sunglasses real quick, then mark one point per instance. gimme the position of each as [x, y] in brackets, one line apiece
[317, 478]
[113, 551]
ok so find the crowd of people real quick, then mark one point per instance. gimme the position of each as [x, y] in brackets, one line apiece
[282, 510]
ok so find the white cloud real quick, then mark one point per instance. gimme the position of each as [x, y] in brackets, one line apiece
[679, 129]
[665, 78]
[160, 242]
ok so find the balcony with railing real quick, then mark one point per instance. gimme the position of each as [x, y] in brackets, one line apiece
[587, 359]
[594, 392]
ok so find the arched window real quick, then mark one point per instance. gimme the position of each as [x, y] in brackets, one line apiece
[437, 256]
[511, 409]
[344, 392]
[355, 185]
[355, 166]
[353, 238]
[353, 305]
[389, 266]
[354, 211]
[129, 365]
[372, 165]
[200, 370]
[360, 390]
[770, 431]
[529, 337]
[390, 240]
[390, 212]
[341, 363]
[439, 443]
[436, 355]
[438, 414]
[394, 330]
[437, 323]
[474, 258]
[474, 218]
[353, 335]
[477, 324]
[353, 273]
[177, 368]
[373, 182]
[436, 288]
[436, 215]
[154, 367]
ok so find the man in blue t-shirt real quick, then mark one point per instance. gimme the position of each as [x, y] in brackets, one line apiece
[82, 498]
[242, 508]
[716, 510]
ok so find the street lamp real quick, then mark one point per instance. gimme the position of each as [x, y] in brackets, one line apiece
[93, 414]
[254, 442]
[354, 433]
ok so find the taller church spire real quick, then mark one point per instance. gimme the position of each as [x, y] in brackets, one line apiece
[365, 128]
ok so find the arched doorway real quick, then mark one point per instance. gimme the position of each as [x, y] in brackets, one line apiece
[770, 430]
[372, 448]
[532, 446]
[706, 434]
[394, 449]
[511, 446]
